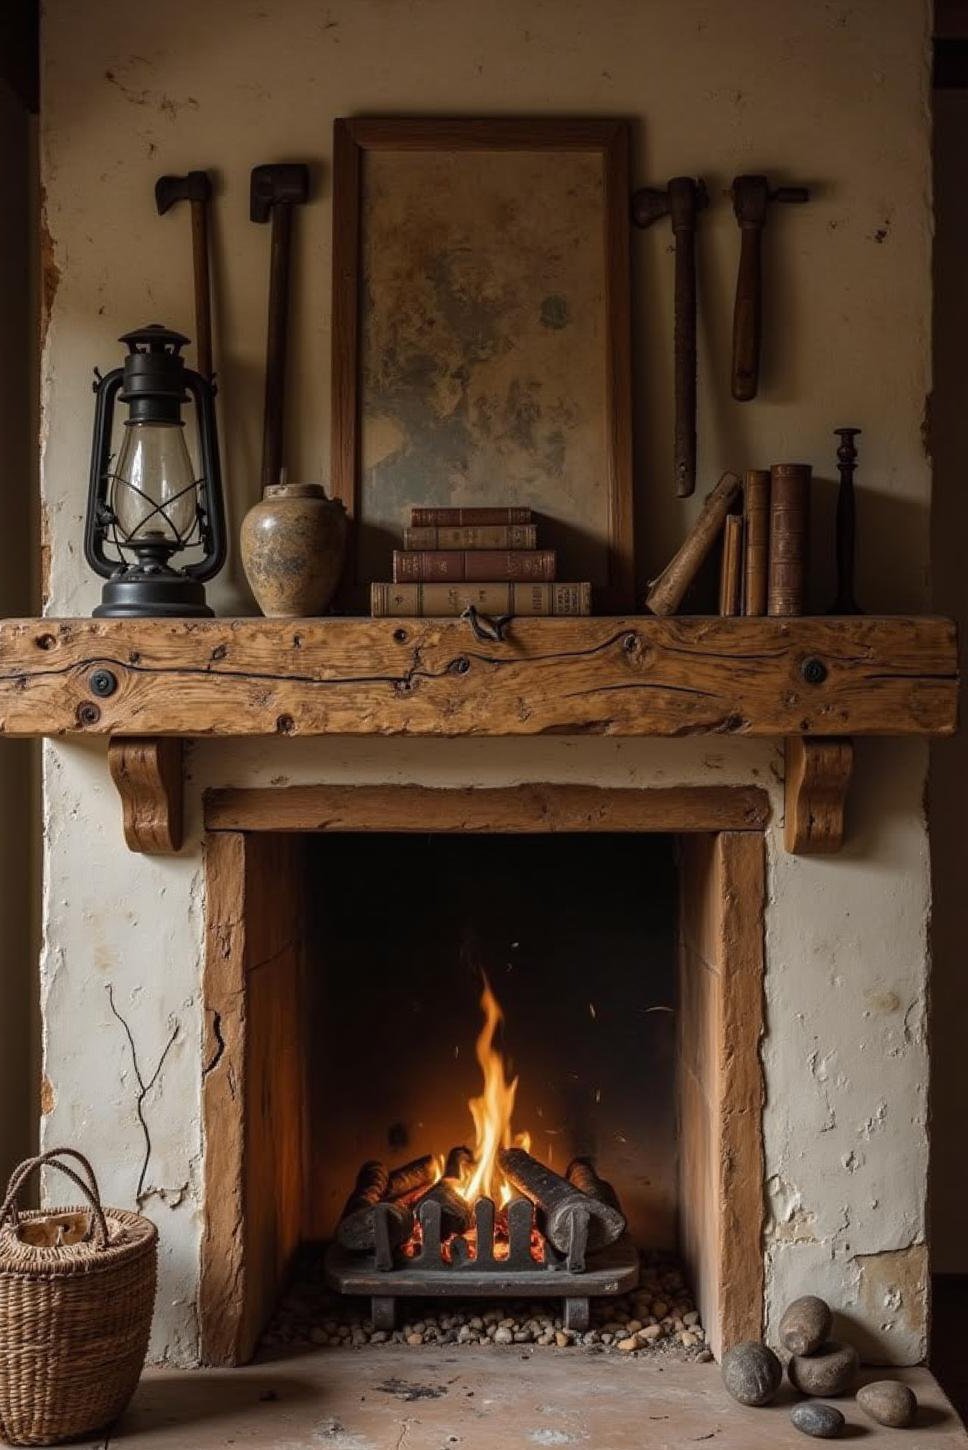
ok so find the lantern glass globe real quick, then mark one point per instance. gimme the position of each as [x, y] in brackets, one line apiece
[154, 492]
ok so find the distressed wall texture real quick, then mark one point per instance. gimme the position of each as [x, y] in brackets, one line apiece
[832, 94]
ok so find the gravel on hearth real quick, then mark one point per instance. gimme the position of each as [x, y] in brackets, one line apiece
[657, 1317]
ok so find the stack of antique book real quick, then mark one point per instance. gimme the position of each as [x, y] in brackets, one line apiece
[486, 558]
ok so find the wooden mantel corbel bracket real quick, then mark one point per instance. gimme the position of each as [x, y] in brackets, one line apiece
[817, 777]
[147, 771]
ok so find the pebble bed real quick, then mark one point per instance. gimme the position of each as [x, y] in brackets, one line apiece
[657, 1317]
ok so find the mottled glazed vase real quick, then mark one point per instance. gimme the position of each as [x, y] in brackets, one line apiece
[293, 543]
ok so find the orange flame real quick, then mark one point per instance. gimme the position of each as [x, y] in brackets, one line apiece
[492, 1113]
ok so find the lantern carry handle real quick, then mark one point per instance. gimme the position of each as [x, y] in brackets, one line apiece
[106, 390]
[212, 520]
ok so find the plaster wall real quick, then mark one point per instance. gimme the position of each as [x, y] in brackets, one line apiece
[832, 94]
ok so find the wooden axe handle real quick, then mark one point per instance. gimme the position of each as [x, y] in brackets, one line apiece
[747, 315]
[203, 304]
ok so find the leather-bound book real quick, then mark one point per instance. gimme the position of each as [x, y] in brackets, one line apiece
[756, 491]
[471, 536]
[731, 574]
[444, 565]
[789, 537]
[450, 600]
[441, 518]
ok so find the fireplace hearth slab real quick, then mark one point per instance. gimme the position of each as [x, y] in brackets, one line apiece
[500, 1399]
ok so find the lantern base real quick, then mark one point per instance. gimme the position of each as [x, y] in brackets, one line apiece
[164, 595]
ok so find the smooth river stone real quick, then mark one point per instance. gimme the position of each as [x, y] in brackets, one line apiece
[823, 1422]
[752, 1373]
[889, 1403]
[806, 1325]
[831, 1371]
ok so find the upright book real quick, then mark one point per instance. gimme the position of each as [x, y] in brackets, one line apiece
[789, 537]
[448, 517]
[477, 565]
[445, 600]
[756, 489]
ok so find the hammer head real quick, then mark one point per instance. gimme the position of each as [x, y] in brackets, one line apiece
[193, 187]
[751, 194]
[285, 184]
[681, 200]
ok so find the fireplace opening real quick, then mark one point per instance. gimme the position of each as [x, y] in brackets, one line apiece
[512, 1059]
[502, 1008]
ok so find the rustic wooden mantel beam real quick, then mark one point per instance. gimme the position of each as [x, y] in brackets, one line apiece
[149, 684]
[610, 676]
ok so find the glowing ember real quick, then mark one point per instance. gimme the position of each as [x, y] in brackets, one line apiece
[492, 1113]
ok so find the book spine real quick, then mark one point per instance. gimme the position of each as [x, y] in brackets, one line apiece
[473, 565]
[449, 600]
[442, 518]
[756, 487]
[731, 577]
[789, 526]
[470, 536]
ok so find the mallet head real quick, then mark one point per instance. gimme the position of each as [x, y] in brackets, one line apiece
[283, 184]
[196, 186]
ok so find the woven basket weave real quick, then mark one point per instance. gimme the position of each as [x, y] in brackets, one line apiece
[74, 1315]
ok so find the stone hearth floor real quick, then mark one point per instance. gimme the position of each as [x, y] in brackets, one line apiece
[487, 1399]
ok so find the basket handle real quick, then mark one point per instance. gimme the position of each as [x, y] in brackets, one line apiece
[88, 1186]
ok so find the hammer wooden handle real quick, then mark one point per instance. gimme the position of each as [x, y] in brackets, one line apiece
[685, 359]
[276, 345]
[748, 315]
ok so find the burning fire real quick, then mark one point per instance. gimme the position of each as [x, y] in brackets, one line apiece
[492, 1113]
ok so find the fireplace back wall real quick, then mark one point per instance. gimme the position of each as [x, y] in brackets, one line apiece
[576, 935]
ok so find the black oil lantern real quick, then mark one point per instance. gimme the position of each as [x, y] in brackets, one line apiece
[146, 505]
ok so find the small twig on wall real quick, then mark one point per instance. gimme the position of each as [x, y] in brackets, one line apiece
[144, 1087]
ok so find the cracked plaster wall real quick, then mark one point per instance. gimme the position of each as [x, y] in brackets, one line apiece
[830, 93]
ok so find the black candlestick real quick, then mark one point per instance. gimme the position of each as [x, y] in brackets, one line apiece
[845, 603]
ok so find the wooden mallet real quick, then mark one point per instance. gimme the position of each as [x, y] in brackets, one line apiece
[195, 188]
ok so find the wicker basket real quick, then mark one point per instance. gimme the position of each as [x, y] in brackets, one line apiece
[77, 1290]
